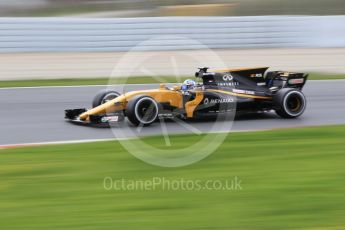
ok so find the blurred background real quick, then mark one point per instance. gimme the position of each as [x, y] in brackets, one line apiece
[149, 8]
[86, 38]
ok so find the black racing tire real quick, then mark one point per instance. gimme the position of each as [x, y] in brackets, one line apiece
[104, 96]
[289, 103]
[142, 110]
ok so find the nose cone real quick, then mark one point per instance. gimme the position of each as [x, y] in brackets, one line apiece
[114, 105]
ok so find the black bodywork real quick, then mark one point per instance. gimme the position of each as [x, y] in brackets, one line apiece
[243, 90]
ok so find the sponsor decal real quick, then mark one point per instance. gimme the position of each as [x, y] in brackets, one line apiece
[218, 100]
[256, 75]
[243, 91]
[296, 81]
[261, 83]
[166, 115]
[110, 119]
[228, 83]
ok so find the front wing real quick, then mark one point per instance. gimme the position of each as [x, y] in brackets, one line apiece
[101, 121]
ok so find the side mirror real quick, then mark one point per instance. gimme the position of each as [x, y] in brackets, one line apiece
[201, 71]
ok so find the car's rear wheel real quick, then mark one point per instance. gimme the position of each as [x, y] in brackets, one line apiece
[289, 103]
[104, 96]
[142, 110]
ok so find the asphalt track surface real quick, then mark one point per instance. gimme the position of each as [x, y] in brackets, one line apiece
[35, 115]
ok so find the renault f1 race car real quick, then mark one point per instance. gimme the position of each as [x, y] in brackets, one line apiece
[218, 92]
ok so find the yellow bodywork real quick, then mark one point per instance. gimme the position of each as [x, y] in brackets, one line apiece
[162, 95]
[173, 97]
[191, 105]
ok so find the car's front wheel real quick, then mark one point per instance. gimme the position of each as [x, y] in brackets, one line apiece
[104, 96]
[142, 110]
[289, 103]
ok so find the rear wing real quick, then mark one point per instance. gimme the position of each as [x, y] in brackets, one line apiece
[283, 79]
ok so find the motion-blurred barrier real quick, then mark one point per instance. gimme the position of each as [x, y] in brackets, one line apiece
[122, 34]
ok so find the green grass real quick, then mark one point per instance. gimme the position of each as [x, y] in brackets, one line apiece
[132, 80]
[320, 76]
[291, 179]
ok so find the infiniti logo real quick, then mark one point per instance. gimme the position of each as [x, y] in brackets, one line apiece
[228, 77]
[206, 101]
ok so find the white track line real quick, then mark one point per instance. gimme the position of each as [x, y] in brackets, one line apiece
[35, 144]
[13, 146]
[75, 86]
[153, 84]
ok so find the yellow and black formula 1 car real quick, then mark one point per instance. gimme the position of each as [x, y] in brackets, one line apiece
[220, 92]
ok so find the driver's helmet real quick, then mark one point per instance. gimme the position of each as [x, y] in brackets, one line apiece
[188, 84]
